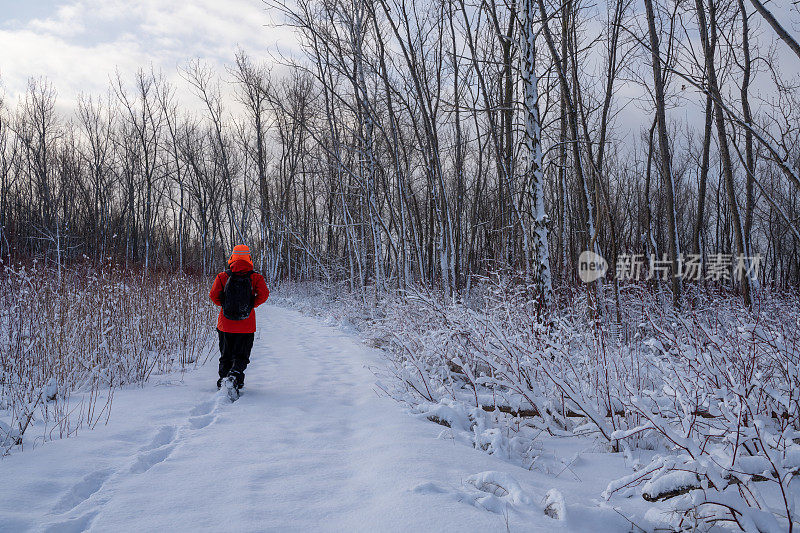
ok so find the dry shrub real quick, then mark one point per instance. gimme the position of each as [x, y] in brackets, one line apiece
[86, 330]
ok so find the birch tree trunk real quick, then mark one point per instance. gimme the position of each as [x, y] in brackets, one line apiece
[542, 277]
[572, 115]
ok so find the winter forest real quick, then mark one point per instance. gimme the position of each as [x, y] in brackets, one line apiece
[564, 224]
[430, 143]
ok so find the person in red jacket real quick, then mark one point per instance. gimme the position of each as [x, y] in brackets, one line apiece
[236, 336]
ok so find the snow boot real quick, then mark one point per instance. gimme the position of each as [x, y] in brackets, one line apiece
[238, 378]
[229, 384]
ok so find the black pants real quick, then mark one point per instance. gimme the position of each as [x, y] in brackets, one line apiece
[234, 350]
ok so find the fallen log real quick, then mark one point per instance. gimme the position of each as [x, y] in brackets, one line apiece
[521, 413]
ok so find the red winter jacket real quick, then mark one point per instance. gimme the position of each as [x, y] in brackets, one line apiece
[248, 325]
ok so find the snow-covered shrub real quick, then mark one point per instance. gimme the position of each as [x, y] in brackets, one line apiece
[714, 391]
[89, 330]
[554, 505]
[331, 301]
[726, 406]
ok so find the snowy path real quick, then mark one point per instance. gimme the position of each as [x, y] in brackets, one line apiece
[309, 446]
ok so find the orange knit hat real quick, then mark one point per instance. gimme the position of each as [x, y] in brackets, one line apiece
[240, 251]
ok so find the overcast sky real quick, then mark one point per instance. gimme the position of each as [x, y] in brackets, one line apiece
[78, 44]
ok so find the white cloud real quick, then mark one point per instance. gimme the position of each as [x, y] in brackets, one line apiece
[80, 44]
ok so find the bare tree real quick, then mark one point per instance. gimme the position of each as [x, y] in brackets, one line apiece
[665, 157]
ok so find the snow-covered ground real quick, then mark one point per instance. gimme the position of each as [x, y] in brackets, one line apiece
[310, 445]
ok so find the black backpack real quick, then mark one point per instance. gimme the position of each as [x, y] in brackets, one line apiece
[238, 295]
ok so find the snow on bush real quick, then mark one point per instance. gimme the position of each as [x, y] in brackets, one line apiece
[88, 331]
[714, 391]
[500, 491]
[554, 505]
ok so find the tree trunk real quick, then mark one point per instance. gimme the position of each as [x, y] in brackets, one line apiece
[664, 153]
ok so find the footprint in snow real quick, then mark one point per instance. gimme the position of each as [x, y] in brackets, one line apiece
[164, 436]
[82, 491]
[199, 422]
[146, 461]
